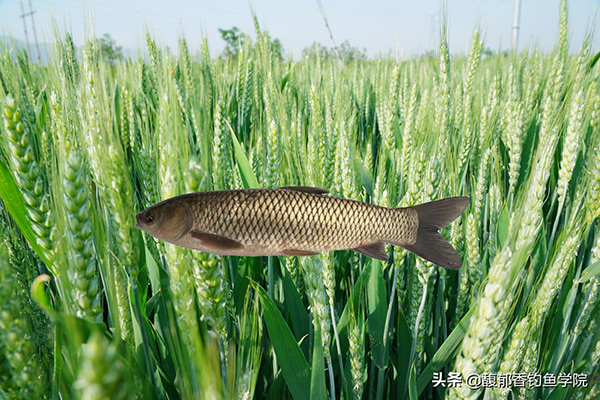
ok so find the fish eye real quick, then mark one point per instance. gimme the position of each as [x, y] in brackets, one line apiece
[149, 218]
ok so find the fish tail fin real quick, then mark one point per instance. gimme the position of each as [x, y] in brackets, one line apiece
[433, 216]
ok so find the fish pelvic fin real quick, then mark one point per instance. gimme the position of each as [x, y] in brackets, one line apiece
[430, 245]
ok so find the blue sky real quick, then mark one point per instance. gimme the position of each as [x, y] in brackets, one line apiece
[403, 27]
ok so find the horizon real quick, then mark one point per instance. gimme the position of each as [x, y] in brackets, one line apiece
[388, 29]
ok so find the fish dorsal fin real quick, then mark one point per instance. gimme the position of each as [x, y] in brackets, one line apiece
[307, 189]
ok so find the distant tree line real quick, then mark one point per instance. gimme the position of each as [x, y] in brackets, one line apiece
[234, 39]
[111, 52]
[347, 52]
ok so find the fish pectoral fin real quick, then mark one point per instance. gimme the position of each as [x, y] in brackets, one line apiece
[375, 250]
[307, 189]
[296, 252]
[216, 242]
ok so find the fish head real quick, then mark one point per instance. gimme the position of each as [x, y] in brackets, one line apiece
[168, 221]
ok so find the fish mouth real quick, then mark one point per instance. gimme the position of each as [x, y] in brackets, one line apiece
[137, 220]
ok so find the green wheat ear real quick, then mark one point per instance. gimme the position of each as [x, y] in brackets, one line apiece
[24, 338]
[87, 145]
[28, 174]
[102, 372]
[78, 251]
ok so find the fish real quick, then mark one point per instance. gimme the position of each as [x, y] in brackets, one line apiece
[300, 221]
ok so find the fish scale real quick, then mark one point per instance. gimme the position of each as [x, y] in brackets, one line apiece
[271, 218]
[300, 221]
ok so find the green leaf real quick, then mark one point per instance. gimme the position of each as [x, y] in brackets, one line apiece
[286, 78]
[404, 336]
[153, 269]
[538, 263]
[15, 204]
[117, 109]
[555, 340]
[173, 352]
[593, 61]
[317, 378]
[527, 153]
[297, 312]
[38, 293]
[445, 353]
[502, 229]
[365, 177]
[412, 384]
[143, 332]
[590, 272]
[558, 393]
[246, 172]
[41, 110]
[377, 308]
[357, 291]
[293, 365]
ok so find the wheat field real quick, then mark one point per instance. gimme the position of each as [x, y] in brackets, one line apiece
[92, 308]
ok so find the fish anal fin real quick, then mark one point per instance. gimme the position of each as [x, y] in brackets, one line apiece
[296, 252]
[375, 250]
[216, 242]
[307, 189]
